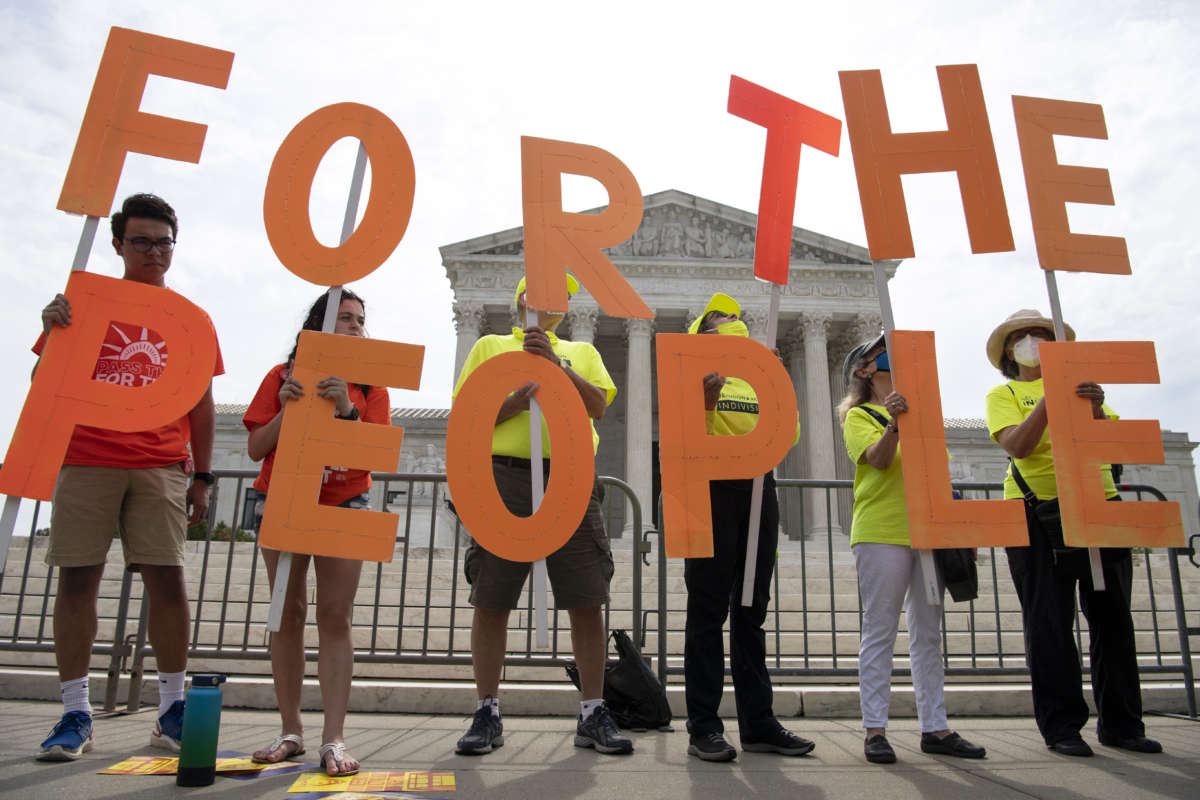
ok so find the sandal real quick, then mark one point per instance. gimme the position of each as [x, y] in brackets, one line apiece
[277, 744]
[338, 749]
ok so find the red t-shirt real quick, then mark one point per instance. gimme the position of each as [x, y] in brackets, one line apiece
[132, 355]
[339, 484]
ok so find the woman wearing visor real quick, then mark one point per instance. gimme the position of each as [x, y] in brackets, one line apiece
[888, 567]
[1046, 574]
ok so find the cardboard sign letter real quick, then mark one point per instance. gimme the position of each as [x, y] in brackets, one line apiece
[689, 457]
[113, 125]
[64, 395]
[289, 184]
[789, 125]
[965, 147]
[556, 240]
[469, 458]
[1050, 185]
[935, 519]
[313, 438]
[1081, 444]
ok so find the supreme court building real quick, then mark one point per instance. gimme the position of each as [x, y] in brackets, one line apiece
[685, 249]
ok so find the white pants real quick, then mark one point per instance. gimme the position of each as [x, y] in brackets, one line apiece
[886, 572]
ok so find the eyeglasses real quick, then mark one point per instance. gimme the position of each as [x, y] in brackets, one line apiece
[142, 245]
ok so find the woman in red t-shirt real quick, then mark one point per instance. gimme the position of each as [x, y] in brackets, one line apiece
[337, 578]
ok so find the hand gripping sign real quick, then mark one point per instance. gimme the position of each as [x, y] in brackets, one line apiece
[469, 458]
[64, 394]
[1081, 443]
[690, 457]
[935, 519]
[113, 125]
[312, 438]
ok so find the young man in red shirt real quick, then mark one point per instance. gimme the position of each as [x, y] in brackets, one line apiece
[136, 483]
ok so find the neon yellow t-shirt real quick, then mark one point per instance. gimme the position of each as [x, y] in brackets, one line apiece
[511, 437]
[1009, 404]
[736, 413]
[880, 513]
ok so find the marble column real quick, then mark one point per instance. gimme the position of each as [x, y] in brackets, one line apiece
[791, 345]
[819, 420]
[639, 430]
[582, 322]
[469, 320]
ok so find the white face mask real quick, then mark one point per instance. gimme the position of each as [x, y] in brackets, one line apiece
[1025, 352]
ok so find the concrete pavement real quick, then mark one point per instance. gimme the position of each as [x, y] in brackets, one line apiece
[539, 762]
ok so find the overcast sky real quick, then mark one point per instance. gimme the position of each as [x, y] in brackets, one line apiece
[648, 82]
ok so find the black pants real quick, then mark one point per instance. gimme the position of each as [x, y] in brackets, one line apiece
[1046, 589]
[714, 587]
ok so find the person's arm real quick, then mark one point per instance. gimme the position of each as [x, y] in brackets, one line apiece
[264, 438]
[202, 419]
[594, 398]
[56, 312]
[1019, 441]
[881, 454]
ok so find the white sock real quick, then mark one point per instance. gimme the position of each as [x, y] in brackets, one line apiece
[588, 707]
[170, 689]
[75, 696]
[493, 702]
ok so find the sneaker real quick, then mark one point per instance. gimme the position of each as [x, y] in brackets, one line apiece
[711, 747]
[878, 751]
[71, 738]
[1071, 746]
[486, 734]
[168, 731]
[601, 732]
[780, 741]
[1138, 744]
[951, 745]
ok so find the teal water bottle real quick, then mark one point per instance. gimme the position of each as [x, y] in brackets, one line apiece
[201, 722]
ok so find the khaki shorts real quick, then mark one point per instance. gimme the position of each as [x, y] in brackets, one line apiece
[579, 571]
[149, 506]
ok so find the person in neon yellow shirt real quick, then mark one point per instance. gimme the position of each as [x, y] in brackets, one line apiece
[1046, 578]
[579, 571]
[888, 568]
[714, 585]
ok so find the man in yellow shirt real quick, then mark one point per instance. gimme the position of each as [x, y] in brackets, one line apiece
[714, 584]
[579, 571]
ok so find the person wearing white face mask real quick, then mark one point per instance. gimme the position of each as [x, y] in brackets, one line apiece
[1046, 573]
[714, 585]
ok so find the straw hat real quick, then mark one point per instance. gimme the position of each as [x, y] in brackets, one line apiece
[1025, 318]
[718, 302]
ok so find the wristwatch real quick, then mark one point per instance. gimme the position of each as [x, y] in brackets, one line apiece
[353, 415]
[207, 477]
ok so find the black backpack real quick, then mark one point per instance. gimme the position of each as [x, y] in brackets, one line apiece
[632, 691]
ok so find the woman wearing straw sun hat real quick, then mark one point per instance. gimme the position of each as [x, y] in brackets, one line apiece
[1045, 573]
[888, 568]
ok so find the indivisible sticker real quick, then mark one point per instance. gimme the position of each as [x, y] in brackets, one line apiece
[412, 781]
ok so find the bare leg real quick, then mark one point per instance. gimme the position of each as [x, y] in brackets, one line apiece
[489, 641]
[588, 636]
[337, 582]
[287, 650]
[170, 617]
[75, 619]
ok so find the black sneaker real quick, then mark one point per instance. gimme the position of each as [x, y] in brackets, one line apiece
[711, 747]
[1138, 744]
[1072, 746]
[951, 745]
[780, 741]
[600, 731]
[878, 751]
[486, 734]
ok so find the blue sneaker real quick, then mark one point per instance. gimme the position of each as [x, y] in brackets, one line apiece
[168, 731]
[71, 738]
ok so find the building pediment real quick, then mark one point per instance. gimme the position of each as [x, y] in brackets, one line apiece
[676, 225]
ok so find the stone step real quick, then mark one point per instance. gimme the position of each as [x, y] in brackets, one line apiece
[559, 698]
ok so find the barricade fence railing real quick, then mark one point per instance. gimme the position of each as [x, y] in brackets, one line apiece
[414, 612]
